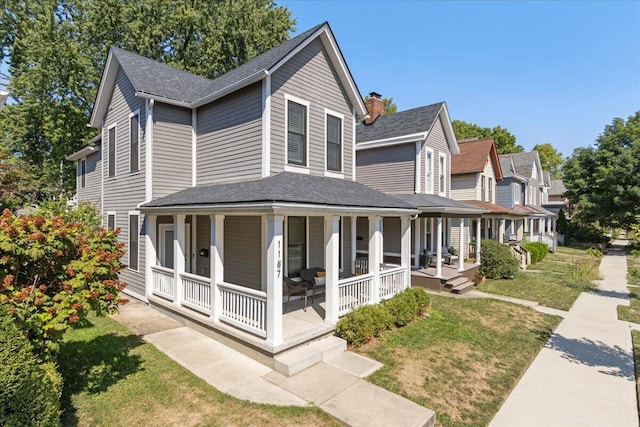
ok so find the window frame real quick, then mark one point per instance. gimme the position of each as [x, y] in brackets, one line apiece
[305, 244]
[483, 188]
[490, 188]
[83, 172]
[115, 219]
[428, 170]
[135, 113]
[112, 156]
[442, 174]
[340, 117]
[132, 214]
[517, 190]
[288, 164]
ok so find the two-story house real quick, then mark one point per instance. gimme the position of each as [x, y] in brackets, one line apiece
[408, 154]
[475, 173]
[556, 200]
[225, 189]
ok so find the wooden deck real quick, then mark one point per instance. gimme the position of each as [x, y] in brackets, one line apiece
[426, 278]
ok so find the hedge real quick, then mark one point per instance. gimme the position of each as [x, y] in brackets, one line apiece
[538, 251]
[497, 262]
[364, 323]
[29, 390]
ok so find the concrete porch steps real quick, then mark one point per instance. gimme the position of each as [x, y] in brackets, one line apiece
[455, 281]
[300, 358]
[463, 288]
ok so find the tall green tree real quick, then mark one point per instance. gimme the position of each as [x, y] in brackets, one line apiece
[550, 158]
[505, 141]
[56, 50]
[602, 181]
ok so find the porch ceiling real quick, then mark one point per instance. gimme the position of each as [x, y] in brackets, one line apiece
[286, 190]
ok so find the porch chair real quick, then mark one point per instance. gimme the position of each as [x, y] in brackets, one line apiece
[447, 256]
[309, 275]
[294, 288]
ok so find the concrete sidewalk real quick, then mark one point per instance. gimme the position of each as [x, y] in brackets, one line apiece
[335, 385]
[584, 375]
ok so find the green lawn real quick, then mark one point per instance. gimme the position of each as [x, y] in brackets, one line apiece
[113, 378]
[464, 359]
[555, 282]
[631, 313]
[635, 336]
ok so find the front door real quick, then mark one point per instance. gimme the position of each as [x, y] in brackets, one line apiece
[166, 246]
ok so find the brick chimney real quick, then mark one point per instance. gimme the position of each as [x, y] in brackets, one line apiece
[375, 107]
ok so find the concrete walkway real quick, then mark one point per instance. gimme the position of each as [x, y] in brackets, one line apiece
[584, 375]
[335, 385]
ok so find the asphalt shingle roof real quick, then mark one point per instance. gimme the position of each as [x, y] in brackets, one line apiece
[557, 188]
[434, 203]
[524, 162]
[473, 157]
[285, 187]
[406, 122]
[493, 208]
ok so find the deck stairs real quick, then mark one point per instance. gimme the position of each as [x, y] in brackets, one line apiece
[458, 285]
[302, 357]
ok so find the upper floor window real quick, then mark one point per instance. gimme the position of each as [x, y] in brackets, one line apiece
[442, 183]
[111, 142]
[483, 189]
[490, 185]
[516, 193]
[296, 133]
[83, 172]
[134, 142]
[428, 170]
[334, 143]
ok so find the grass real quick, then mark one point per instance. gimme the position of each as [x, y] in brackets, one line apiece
[112, 377]
[631, 313]
[635, 337]
[464, 359]
[555, 282]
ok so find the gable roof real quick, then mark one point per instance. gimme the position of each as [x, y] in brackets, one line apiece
[524, 162]
[284, 187]
[473, 157]
[406, 126]
[154, 80]
[557, 188]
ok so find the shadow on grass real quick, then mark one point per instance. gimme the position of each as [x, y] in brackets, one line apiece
[613, 360]
[93, 366]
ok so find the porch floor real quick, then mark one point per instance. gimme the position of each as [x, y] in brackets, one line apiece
[448, 271]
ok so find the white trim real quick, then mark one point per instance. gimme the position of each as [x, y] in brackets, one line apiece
[168, 101]
[403, 139]
[132, 114]
[82, 165]
[148, 167]
[307, 105]
[418, 168]
[137, 215]
[86, 151]
[442, 171]
[266, 126]
[328, 112]
[135, 295]
[194, 147]
[115, 219]
[297, 169]
[353, 143]
[115, 151]
[428, 170]
[102, 169]
[331, 174]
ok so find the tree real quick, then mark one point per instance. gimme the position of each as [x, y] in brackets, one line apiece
[56, 51]
[505, 141]
[389, 106]
[550, 158]
[602, 181]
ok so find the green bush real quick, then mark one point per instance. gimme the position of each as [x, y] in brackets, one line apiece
[29, 391]
[496, 260]
[369, 321]
[595, 252]
[538, 251]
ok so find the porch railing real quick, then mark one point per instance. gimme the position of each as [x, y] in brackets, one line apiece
[244, 308]
[354, 292]
[392, 281]
[196, 292]
[163, 282]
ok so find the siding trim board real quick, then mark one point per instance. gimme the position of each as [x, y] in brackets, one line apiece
[112, 154]
[194, 146]
[148, 174]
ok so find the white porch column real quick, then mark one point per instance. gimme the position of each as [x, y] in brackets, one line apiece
[416, 242]
[216, 262]
[179, 241]
[478, 239]
[332, 267]
[151, 255]
[461, 246]
[439, 247]
[354, 242]
[531, 228]
[543, 225]
[375, 251]
[501, 230]
[405, 246]
[275, 225]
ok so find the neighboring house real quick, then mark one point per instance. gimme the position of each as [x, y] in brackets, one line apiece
[556, 201]
[408, 154]
[223, 187]
[89, 172]
[524, 189]
[475, 173]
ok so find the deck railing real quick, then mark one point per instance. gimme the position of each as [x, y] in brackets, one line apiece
[392, 281]
[354, 292]
[244, 308]
[163, 282]
[196, 292]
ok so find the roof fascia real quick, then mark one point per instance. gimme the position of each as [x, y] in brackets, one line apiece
[108, 79]
[497, 169]
[83, 153]
[396, 140]
[338, 62]
[164, 100]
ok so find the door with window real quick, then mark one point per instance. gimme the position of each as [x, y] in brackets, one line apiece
[296, 245]
[165, 232]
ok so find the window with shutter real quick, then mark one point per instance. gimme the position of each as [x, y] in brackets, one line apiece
[334, 143]
[296, 134]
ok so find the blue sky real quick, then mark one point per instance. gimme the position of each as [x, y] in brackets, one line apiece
[554, 72]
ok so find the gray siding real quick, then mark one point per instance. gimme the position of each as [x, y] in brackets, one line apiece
[388, 169]
[391, 240]
[203, 241]
[229, 138]
[126, 190]
[310, 76]
[316, 241]
[242, 251]
[504, 193]
[438, 141]
[172, 143]
[92, 191]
